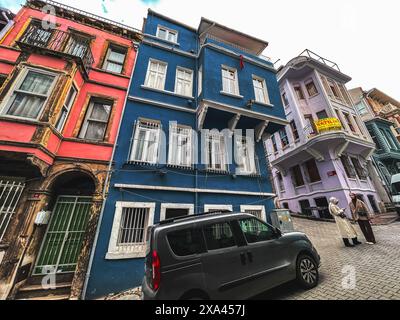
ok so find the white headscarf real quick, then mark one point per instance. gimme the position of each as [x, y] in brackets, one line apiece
[334, 200]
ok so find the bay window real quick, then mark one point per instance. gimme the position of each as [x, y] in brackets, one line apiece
[66, 108]
[297, 176]
[30, 94]
[312, 170]
[284, 137]
[96, 121]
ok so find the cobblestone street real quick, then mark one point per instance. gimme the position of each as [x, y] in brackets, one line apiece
[377, 267]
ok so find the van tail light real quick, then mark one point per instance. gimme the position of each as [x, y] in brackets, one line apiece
[156, 266]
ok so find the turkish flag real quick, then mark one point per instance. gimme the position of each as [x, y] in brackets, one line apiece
[241, 62]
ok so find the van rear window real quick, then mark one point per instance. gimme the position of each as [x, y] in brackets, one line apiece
[186, 242]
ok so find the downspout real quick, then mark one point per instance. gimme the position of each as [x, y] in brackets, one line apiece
[196, 99]
[108, 178]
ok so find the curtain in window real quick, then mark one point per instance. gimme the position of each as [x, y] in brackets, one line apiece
[97, 121]
[216, 152]
[184, 82]
[146, 143]
[156, 75]
[229, 81]
[246, 156]
[30, 97]
[180, 146]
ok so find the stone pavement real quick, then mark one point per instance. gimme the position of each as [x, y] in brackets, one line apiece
[376, 268]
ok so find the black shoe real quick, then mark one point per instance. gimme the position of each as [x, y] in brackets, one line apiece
[348, 244]
[356, 242]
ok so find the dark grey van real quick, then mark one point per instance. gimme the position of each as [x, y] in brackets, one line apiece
[224, 256]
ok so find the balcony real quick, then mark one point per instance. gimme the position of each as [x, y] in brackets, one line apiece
[320, 145]
[60, 43]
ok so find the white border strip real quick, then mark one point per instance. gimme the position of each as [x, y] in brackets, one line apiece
[193, 190]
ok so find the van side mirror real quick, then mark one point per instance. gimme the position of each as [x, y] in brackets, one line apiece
[278, 232]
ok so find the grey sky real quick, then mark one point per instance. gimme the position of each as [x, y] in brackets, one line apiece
[360, 35]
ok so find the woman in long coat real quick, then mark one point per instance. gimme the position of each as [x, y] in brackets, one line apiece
[345, 228]
[363, 216]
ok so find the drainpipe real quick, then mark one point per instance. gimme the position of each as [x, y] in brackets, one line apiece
[196, 99]
[108, 178]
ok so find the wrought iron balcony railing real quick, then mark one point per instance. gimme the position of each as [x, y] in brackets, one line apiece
[60, 42]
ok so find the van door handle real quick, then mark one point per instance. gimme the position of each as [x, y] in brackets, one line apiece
[250, 256]
[243, 258]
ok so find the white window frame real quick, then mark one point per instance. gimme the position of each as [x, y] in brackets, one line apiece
[211, 207]
[165, 206]
[135, 139]
[264, 89]
[168, 31]
[236, 84]
[146, 82]
[252, 160]
[85, 125]
[184, 80]
[224, 156]
[173, 148]
[243, 208]
[60, 126]
[6, 104]
[138, 251]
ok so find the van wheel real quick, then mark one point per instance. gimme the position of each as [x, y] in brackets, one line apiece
[307, 272]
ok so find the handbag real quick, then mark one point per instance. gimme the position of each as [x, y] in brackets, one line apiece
[363, 214]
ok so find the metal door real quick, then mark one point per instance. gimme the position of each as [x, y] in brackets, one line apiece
[63, 241]
[10, 193]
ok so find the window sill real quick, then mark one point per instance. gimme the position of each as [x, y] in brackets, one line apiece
[315, 183]
[300, 187]
[167, 92]
[125, 255]
[248, 175]
[175, 166]
[264, 104]
[122, 75]
[232, 95]
[214, 171]
[313, 96]
[142, 163]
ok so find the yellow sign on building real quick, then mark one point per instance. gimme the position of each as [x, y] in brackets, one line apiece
[328, 124]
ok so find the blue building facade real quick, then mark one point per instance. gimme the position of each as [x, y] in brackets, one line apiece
[201, 103]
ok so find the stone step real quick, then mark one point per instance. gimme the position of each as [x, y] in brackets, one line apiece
[36, 292]
[48, 298]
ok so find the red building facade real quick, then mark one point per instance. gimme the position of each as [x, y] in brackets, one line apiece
[64, 77]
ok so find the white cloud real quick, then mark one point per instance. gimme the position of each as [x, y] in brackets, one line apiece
[361, 36]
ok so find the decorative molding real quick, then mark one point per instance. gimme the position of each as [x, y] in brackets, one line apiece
[233, 122]
[316, 154]
[260, 130]
[341, 149]
[161, 104]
